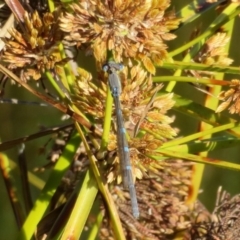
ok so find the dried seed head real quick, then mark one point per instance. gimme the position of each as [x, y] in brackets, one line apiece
[132, 30]
[163, 212]
[213, 52]
[142, 113]
[34, 49]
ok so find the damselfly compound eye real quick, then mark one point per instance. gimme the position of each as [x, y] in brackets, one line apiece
[105, 67]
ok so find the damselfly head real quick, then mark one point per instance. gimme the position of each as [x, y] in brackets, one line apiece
[112, 65]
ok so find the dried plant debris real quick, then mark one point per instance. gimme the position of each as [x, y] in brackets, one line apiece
[132, 30]
[222, 224]
[58, 141]
[80, 162]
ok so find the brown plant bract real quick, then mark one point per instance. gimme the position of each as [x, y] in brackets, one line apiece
[132, 30]
[34, 49]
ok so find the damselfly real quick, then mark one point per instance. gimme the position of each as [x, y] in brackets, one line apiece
[115, 86]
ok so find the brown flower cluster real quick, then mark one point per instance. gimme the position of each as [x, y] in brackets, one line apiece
[132, 30]
[165, 216]
[33, 50]
[231, 97]
[213, 52]
[143, 111]
[161, 195]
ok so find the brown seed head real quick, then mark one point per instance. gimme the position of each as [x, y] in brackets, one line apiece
[161, 196]
[33, 50]
[132, 30]
[142, 113]
[231, 98]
